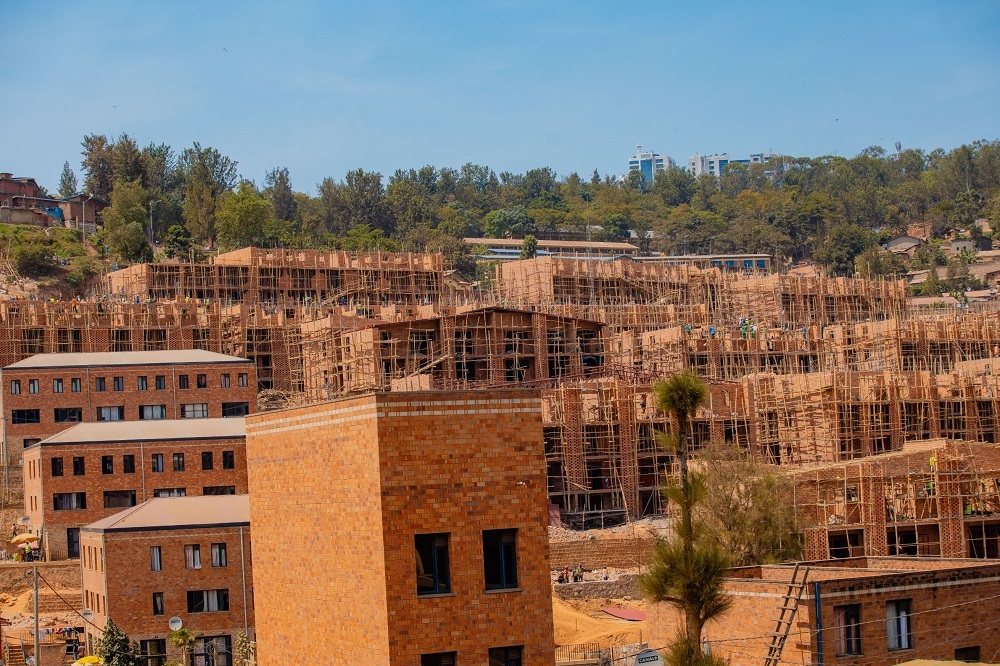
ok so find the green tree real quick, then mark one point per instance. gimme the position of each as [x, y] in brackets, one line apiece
[115, 649]
[529, 247]
[125, 222]
[748, 508]
[244, 650]
[362, 201]
[932, 284]
[278, 188]
[686, 570]
[67, 181]
[183, 639]
[362, 238]
[508, 223]
[843, 245]
[98, 165]
[32, 259]
[177, 241]
[207, 176]
[242, 218]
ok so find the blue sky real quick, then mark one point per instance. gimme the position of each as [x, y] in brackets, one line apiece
[324, 87]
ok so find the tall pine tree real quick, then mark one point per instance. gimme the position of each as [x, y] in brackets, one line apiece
[67, 181]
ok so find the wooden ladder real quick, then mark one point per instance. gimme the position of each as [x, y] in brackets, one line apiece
[786, 615]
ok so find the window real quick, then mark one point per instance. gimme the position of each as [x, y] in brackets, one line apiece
[15, 387]
[157, 462]
[161, 382]
[170, 492]
[153, 652]
[235, 409]
[225, 380]
[152, 412]
[195, 411]
[57, 386]
[69, 501]
[73, 542]
[111, 413]
[68, 414]
[219, 555]
[24, 416]
[79, 466]
[968, 654]
[57, 466]
[33, 386]
[218, 490]
[178, 462]
[157, 603]
[207, 601]
[100, 385]
[505, 656]
[201, 381]
[155, 558]
[433, 574]
[107, 464]
[75, 385]
[847, 628]
[206, 460]
[119, 499]
[128, 464]
[898, 625]
[192, 556]
[228, 460]
[241, 380]
[438, 659]
[182, 381]
[143, 383]
[214, 650]
[119, 383]
[500, 559]
[30, 441]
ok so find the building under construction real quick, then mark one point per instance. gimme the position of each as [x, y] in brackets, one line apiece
[802, 371]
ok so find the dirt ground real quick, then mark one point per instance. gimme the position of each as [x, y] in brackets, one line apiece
[583, 621]
[58, 601]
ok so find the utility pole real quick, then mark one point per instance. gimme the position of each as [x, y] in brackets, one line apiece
[35, 572]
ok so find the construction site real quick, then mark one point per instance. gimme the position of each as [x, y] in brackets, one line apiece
[803, 372]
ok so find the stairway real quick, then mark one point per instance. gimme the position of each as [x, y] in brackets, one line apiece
[786, 615]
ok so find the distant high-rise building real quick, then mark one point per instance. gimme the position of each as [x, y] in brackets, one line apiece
[649, 163]
[716, 164]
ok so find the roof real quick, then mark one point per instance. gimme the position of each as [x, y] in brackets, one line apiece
[548, 244]
[149, 431]
[164, 513]
[98, 359]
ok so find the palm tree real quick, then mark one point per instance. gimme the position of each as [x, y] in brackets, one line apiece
[686, 571]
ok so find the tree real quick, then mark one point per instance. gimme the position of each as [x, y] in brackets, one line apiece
[686, 571]
[124, 223]
[529, 247]
[115, 649]
[362, 200]
[177, 241]
[242, 217]
[244, 650]
[98, 165]
[748, 509]
[67, 181]
[845, 243]
[207, 176]
[932, 284]
[362, 238]
[183, 639]
[508, 223]
[278, 188]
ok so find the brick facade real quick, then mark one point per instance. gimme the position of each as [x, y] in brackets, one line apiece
[597, 553]
[339, 505]
[83, 372]
[192, 439]
[119, 580]
[950, 603]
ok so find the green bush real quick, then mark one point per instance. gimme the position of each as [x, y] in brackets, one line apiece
[32, 259]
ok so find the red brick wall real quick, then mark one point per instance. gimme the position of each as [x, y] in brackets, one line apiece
[950, 609]
[125, 579]
[90, 400]
[597, 553]
[40, 485]
[373, 472]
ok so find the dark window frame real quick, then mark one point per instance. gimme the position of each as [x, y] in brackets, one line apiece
[433, 575]
[500, 559]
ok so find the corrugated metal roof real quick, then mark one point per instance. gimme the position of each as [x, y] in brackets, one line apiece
[178, 512]
[150, 431]
[170, 357]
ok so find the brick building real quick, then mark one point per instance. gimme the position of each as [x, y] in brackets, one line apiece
[433, 547]
[47, 393]
[93, 470]
[185, 557]
[475, 349]
[871, 611]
